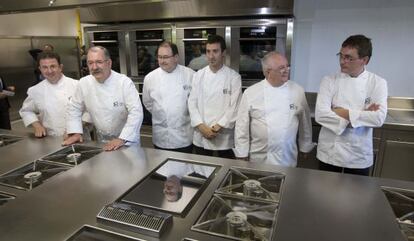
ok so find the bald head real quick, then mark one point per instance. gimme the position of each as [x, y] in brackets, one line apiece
[275, 68]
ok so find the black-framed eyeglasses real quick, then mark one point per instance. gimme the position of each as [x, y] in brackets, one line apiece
[346, 58]
[163, 57]
[281, 69]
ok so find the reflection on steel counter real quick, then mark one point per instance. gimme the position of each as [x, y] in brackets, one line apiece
[5, 197]
[402, 203]
[8, 139]
[188, 180]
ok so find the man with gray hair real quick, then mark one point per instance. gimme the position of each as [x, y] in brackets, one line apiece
[112, 101]
[271, 114]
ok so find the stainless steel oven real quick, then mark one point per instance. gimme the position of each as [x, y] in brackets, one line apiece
[110, 41]
[251, 41]
[146, 43]
[143, 56]
[191, 42]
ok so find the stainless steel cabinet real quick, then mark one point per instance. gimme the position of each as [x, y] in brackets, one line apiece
[395, 158]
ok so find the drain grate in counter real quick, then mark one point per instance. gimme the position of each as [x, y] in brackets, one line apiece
[141, 220]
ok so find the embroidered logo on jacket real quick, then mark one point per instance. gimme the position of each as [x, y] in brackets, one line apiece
[118, 104]
[187, 87]
[226, 91]
[293, 107]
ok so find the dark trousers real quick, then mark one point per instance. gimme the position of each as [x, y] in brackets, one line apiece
[357, 171]
[5, 120]
[187, 149]
[220, 153]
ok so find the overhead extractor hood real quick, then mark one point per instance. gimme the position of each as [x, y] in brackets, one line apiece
[184, 9]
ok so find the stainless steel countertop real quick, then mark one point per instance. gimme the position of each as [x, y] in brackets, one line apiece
[315, 205]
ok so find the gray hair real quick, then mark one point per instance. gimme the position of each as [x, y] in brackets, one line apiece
[265, 60]
[99, 48]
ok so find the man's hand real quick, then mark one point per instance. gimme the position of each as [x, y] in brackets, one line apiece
[373, 107]
[216, 128]
[206, 131]
[11, 88]
[39, 130]
[344, 113]
[114, 144]
[72, 138]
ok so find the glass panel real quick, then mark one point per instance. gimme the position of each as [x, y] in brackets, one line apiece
[102, 36]
[198, 33]
[195, 50]
[195, 54]
[147, 44]
[171, 187]
[251, 54]
[147, 59]
[114, 52]
[258, 32]
[255, 42]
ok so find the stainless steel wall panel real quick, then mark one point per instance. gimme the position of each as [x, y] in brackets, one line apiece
[156, 10]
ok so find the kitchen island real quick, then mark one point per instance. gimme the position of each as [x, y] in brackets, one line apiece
[313, 205]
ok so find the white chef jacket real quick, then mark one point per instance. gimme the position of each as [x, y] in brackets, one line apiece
[349, 143]
[268, 121]
[165, 96]
[214, 99]
[50, 102]
[114, 106]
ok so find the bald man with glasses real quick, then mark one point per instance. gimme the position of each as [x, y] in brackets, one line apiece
[272, 113]
[349, 105]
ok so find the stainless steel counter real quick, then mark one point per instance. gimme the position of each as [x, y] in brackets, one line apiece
[314, 205]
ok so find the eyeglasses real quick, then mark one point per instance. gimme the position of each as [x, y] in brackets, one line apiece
[281, 69]
[50, 67]
[164, 57]
[346, 58]
[98, 62]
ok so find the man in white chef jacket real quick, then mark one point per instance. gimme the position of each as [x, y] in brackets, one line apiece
[49, 98]
[271, 114]
[111, 100]
[165, 94]
[349, 105]
[213, 102]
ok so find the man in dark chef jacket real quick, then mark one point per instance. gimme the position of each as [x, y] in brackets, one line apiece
[5, 105]
[349, 104]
